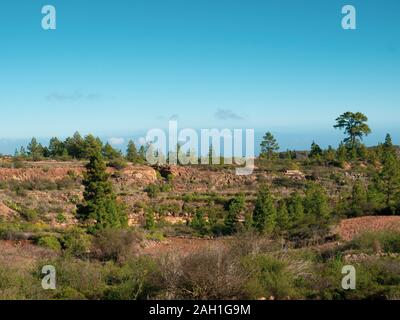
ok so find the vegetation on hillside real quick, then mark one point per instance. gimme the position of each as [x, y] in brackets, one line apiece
[272, 233]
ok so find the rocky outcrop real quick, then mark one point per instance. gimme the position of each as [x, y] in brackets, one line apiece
[140, 175]
[295, 174]
[201, 178]
[25, 174]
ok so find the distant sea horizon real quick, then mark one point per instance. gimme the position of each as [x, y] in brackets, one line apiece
[287, 139]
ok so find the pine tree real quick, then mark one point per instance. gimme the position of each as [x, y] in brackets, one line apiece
[22, 152]
[110, 153]
[35, 150]
[198, 222]
[316, 202]
[150, 221]
[341, 154]
[264, 214]
[289, 155]
[142, 153]
[355, 127]
[269, 145]
[329, 155]
[132, 154]
[100, 208]
[352, 152]
[56, 147]
[389, 180]
[362, 152]
[235, 208]
[388, 145]
[296, 208]
[316, 151]
[75, 146]
[248, 221]
[91, 145]
[282, 220]
[211, 155]
[358, 200]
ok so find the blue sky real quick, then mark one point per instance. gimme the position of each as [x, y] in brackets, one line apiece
[117, 68]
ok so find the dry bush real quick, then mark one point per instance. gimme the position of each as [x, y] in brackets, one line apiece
[250, 243]
[116, 245]
[242, 267]
[212, 273]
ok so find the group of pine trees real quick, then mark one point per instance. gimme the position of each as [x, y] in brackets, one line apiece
[381, 195]
[77, 147]
[272, 216]
[351, 148]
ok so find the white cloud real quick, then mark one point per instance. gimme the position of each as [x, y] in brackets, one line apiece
[142, 141]
[225, 114]
[116, 141]
[72, 97]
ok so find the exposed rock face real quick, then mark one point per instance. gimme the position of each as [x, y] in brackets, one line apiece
[295, 174]
[6, 212]
[197, 178]
[25, 174]
[140, 175]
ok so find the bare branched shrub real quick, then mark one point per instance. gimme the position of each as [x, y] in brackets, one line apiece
[249, 243]
[115, 245]
[212, 273]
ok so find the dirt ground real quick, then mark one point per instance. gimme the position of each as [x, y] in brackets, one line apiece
[24, 253]
[177, 245]
[349, 228]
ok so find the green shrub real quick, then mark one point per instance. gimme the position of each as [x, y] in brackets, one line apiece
[19, 283]
[68, 293]
[78, 279]
[199, 223]
[50, 242]
[149, 220]
[375, 279]
[60, 218]
[270, 278]
[155, 236]
[118, 163]
[152, 190]
[386, 241]
[76, 242]
[28, 214]
[166, 187]
[136, 279]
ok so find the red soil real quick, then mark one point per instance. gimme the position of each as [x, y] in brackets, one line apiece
[350, 228]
